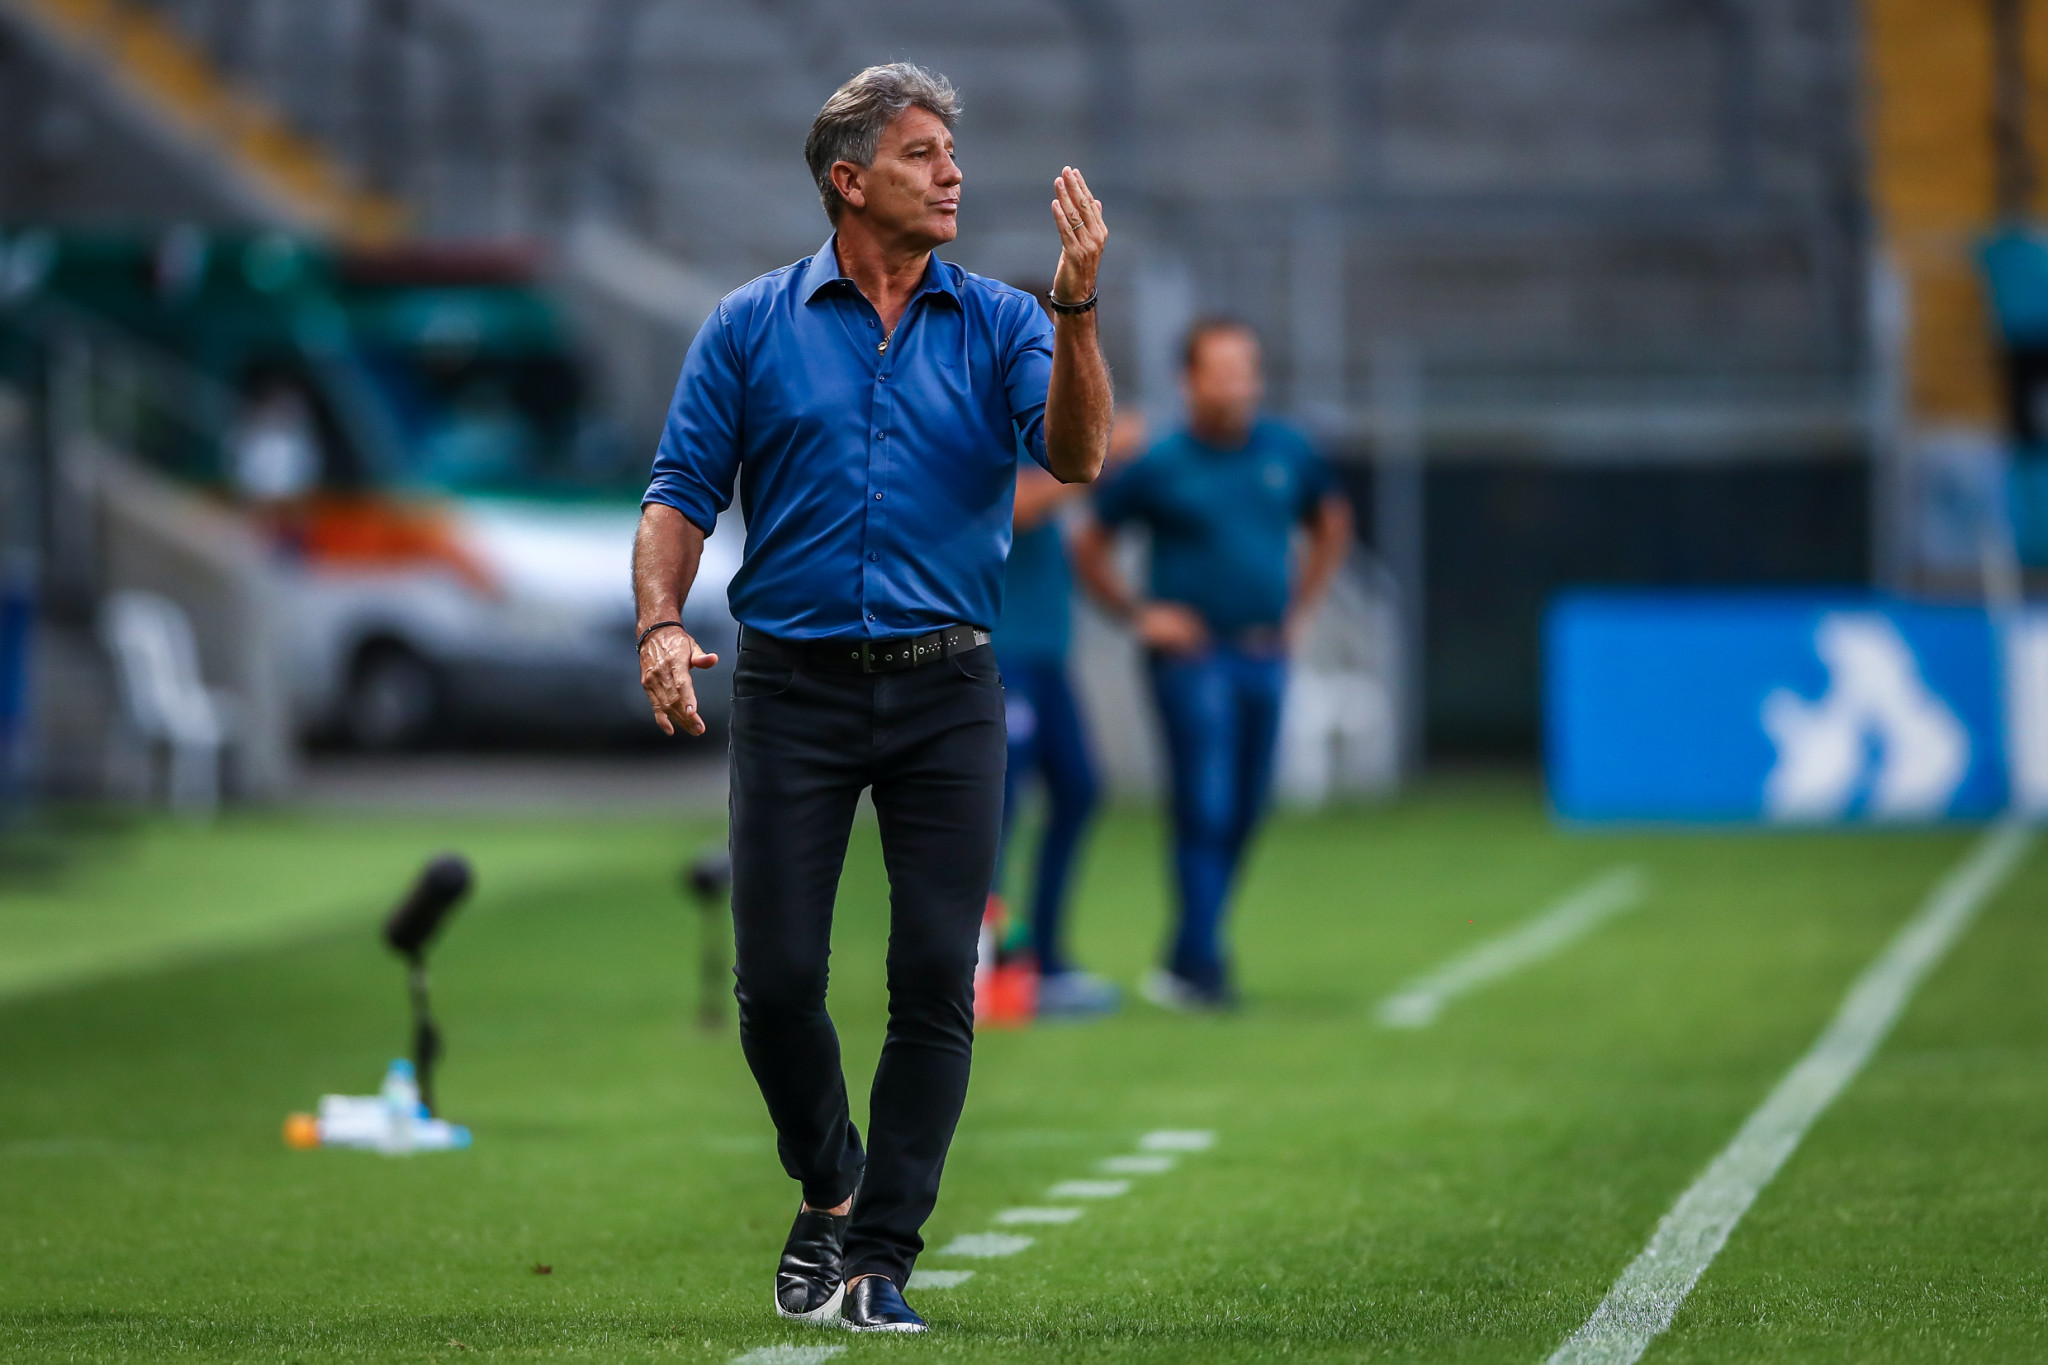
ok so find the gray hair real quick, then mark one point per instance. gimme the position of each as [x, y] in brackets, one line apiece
[850, 126]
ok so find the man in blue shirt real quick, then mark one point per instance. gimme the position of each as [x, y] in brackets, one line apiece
[1047, 737]
[1223, 501]
[870, 401]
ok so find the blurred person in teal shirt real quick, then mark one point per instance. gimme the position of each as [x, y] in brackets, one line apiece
[1048, 738]
[1224, 501]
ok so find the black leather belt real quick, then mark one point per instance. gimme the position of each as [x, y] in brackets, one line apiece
[869, 656]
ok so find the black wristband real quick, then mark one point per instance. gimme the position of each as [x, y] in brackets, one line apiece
[1086, 305]
[658, 625]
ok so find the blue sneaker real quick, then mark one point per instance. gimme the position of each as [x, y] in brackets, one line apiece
[1173, 992]
[874, 1304]
[1076, 995]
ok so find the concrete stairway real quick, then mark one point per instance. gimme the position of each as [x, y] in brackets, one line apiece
[1596, 228]
[1610, 229]
[172, 86]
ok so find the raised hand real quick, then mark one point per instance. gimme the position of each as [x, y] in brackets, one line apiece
[1083, 234]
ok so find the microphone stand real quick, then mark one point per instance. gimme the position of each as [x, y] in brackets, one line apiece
[709, 878]
[426, 1037]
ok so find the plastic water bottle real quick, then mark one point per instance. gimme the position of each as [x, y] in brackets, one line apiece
[402, 1108]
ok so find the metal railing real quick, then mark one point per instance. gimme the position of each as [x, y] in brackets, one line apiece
[123, 433]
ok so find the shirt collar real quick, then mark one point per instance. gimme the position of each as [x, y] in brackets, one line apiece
[824, 270]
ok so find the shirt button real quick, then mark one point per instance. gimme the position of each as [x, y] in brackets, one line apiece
[878, 497]
[871, 616]
[881, 436]
[874, 559]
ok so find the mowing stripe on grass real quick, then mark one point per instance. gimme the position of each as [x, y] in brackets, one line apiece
[151, 948]
[1642, 1302]
[1089, 1189]
[176, 897]
[1417, 1004]
[921, 1278]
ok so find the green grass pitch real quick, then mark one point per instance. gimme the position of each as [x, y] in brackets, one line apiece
[1462, 1193]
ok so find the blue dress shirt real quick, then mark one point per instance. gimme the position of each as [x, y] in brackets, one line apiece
[876, 475]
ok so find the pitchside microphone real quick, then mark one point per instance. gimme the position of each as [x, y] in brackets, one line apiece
[440, 888]
[441, 885]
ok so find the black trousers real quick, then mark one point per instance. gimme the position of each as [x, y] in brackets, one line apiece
[930, 744]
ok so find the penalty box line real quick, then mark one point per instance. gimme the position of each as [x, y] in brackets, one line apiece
[1417, 1004]
[1642, 1303]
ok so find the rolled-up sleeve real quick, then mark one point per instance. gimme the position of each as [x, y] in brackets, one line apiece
[699, 454]
[1027, 374]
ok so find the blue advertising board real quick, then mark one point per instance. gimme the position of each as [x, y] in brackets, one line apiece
[1775, 707]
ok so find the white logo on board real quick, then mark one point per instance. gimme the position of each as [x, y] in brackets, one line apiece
[1878, 728]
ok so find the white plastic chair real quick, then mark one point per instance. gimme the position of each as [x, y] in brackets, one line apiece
[156, 662]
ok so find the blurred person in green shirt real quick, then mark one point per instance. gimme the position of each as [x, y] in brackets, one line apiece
[1224, 500]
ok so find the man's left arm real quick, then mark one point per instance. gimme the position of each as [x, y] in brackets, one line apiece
[1329, 541]
[1079, 404]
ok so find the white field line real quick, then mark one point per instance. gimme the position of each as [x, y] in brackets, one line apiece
[982, 1246]
[1642, 1302]
[1178, 1140]
[990, 1245]
[1417, 1004]
[788, 1355]
[1151, 1163]
[1011, 1217]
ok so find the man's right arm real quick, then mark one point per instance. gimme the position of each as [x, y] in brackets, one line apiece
[1171, 627]
[665, 556]
[693, 478]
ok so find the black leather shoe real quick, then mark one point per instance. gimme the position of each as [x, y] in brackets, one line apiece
[808, 1283]
[874, 1304]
